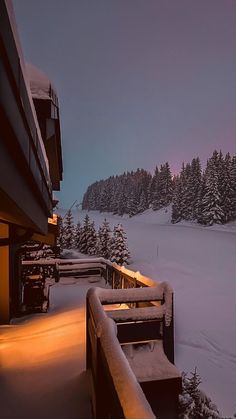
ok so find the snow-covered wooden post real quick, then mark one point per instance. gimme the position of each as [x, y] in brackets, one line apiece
[168, 336]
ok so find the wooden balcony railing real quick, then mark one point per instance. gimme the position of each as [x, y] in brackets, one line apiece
[143, 329]
[129, 342]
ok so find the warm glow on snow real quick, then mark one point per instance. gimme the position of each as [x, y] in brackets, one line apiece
[44, 341]
[43, 359]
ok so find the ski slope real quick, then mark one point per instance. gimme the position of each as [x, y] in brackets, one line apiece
[200, 264]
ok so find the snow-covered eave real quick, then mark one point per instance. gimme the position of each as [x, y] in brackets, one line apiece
[40, 85]
[11, 14]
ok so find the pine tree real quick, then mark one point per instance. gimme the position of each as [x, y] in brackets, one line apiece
[211, 202]
[77, 235]
[83, 245]
[196, 185]
[91, 239]
[193, 403]
[152, 187]
[179, 197]
[226, 188]
[232, 215]
[60, 239]
[177, 202]
[68, 231]
[162, 190]
[104, 239]
[119, 248]
[143, 202]
[132, 204]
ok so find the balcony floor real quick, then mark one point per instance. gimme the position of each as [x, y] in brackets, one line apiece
[43, 358]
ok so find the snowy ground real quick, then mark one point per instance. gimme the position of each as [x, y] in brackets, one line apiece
[43, 359]
[200, 263]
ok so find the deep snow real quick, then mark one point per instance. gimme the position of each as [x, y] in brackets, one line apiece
[43, 359]
[200, 264]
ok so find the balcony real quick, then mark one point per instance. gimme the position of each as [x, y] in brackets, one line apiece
[85, 362]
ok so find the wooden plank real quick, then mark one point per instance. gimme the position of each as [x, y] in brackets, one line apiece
[137, 332]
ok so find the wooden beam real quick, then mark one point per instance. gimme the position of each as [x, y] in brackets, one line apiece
[4, 277]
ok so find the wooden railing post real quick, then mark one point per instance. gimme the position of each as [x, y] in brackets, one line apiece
[168, 337]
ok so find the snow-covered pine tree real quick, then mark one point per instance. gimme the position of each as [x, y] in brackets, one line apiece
[83, 245]
[91, 239]
[60, 239]
[211, 201]
[233, 188]
[226, 187]
[196, 185]
[68, 230]
[167, 186]
[152, 187]
[119, 248]
[77, 235]
[104, 240]
[143, 190]
[186, 198]
[178, 207]
[162, 194]
[143, 202]
[193, 403]
[200, 205]
[176, 216]
[156, 190]
[132, 203]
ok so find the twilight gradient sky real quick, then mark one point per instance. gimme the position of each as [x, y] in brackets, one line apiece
[139, 81]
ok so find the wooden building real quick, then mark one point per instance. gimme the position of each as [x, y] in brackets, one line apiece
[30, 158]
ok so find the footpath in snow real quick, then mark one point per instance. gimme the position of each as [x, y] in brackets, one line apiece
[43, 359]
[200, 264]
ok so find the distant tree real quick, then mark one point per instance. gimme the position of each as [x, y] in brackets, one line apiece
[132, 204]
[152, 187]
[179, 197]
[232, 215]
[212, 211]
[226, 188]
[77, 235]
[162, 188]
[196, 184]
[143, 202]
[104, 239]
[68, 231]
[91, 239]
[177, 213]
[83, 244]
[60, 238]
[119, 248]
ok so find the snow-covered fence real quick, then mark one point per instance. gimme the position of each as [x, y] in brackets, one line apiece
[113, 378]
[116, 391]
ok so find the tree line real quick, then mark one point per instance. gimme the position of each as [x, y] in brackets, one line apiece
[105, 243]
[207, 196]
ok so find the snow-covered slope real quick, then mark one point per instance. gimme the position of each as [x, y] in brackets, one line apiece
[200, 264]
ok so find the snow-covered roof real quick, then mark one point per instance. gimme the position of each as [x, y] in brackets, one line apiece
[40, 85]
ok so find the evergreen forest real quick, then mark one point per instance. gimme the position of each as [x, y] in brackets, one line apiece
[206, 196]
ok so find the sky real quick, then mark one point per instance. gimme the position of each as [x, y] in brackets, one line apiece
[140, 82]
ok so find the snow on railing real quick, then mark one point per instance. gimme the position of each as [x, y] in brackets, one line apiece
[161, 292]
[132, 401]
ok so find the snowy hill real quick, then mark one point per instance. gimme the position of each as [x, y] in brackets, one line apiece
[200, 263]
